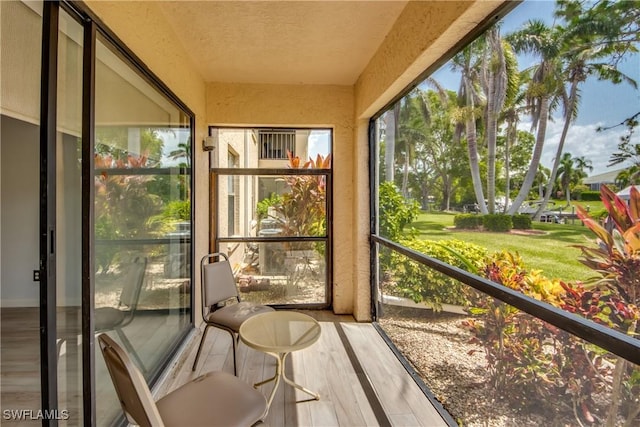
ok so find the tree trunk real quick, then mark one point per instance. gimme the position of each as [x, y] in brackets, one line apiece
[510, 140]
[535, 159]
[405, 173]
[556, 162]
[472, 149]
[496, 90]
[390, 145]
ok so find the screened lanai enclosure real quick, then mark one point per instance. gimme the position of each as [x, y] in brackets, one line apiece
[273, 190]
[380, 166]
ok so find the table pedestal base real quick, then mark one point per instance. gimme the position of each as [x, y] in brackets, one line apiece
[280, 358]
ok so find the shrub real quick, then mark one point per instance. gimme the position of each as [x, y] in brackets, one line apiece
[599, 214]
[396, 212]
[616, 257]
[534, 363]
[522, 352]
[262, 208]
[497, 222]
[424, 284]
[590, 196]
[467, 221]
[521, 222]
[578, 190]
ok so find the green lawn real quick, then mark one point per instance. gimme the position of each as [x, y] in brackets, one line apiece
[593, 206]
[550, 252]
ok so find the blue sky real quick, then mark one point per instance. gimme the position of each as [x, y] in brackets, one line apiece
[602, 103]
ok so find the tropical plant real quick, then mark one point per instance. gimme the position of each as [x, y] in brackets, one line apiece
[542, 86]
[585, 53]
[532, 363]
[616, 258]
[627, 152]
[182, 152]
[396, 213]
[439, 164]
[262, 208]
[499, 78]
[113, 142]
[510, 115]
[124, 206]
[303, 208]
[470, 101]
[570, 172]
[423, 284]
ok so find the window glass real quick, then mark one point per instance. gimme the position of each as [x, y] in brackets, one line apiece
[142, 219]
[495, 164]
[273, 225]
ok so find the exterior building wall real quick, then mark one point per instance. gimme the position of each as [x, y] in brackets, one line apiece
[293, 106]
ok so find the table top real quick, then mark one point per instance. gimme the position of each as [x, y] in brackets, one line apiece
[280, 331]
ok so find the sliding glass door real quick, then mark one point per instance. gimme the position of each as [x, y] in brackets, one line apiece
[96, 194]
[68, 218]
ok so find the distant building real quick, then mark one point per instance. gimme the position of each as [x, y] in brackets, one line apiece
[595, 182]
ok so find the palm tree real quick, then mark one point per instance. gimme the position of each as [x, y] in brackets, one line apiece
[629, 176]
[467, 61]
[414, 120]
[570, 172]
[541, 178]
[565, 175]
[183, 151]
[499, 70]
[582, 164]
[514, 106]
[583, 57]
[538, 39]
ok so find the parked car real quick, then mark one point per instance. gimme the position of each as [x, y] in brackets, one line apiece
[549, 217]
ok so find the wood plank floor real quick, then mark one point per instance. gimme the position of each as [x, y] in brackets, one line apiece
[360, 381]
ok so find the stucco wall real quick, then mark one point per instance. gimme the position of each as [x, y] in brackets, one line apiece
[422, 34]
[303, 106]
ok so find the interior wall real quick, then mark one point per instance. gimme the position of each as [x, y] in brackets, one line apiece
[21, 30]
[230, 104]
[19, 221]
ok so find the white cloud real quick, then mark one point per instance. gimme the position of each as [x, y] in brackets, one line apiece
[582, 140]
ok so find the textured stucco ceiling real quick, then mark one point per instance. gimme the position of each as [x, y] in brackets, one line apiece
[302, 42]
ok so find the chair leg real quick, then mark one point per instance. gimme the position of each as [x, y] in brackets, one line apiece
[235, 346]
[204, 335]
[59, 343]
